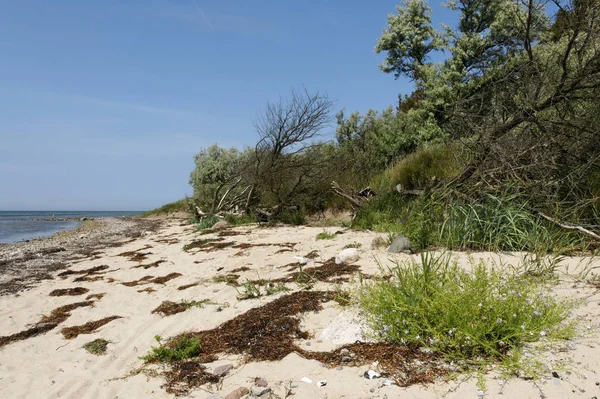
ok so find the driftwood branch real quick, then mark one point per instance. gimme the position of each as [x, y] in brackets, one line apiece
[357, 200]
[571, 227]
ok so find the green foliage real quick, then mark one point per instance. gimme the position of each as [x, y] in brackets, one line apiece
[182, 348]
[177, 206]
[491, 223]
[420, 168]
[207, 222]
[408, 39]
[239, 220]
[97, 346]
[486, 313]
[292, 217]
[326, 236]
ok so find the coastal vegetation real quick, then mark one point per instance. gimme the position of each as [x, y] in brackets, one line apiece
[495, 148]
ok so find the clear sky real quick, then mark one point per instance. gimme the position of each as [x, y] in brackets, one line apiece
[103, 103]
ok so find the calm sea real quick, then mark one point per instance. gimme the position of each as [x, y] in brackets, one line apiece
[18, 226]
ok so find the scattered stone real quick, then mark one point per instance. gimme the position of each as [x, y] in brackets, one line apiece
[261, 382]
[555, 374]
[259, 391]
[371, 374]
[322, 383]
[346, 359]
[222, 370]
[306, 379]
[401, 244]
[387, 382]
[348, 255]
[238, 393]
[344, 352]
[308, 343]
[220, 225]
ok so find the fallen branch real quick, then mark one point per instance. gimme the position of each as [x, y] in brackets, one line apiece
[571, 227]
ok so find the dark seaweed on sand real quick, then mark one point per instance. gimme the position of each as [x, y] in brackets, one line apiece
[69, 291]
[87, 328]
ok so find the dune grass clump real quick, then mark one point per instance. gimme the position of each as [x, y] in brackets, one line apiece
[325, 236]
[182, 348]
[97, 346]
[483, 315]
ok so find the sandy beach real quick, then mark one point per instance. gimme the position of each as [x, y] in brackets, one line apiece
[150, 259]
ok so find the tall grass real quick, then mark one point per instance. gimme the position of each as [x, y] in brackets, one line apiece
[490, 223]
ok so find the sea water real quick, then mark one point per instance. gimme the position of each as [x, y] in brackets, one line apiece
[18, 226]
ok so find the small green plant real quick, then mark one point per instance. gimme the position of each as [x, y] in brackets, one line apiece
[229, 279]
[207, 222]
[353, 245]
[250, 290]
[197, 304]
[273, 288]
[485, 315]
[181, 348]
[97, 346]
[325, 236]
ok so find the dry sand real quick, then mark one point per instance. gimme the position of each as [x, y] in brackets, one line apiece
[50, 366]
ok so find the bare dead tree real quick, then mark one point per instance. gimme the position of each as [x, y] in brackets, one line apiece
[288, 161]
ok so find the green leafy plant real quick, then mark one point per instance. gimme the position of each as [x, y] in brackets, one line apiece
[184, 347]
[326, 236]
[482, 315]
[97, 346]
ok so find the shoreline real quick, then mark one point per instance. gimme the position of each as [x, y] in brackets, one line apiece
[23, 264]
[119, 272]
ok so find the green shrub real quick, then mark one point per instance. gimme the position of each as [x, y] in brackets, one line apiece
[181, 348]
[485, 313]
[419, 168]
[292, 217]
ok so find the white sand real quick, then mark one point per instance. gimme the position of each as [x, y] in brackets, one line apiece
[48, 366]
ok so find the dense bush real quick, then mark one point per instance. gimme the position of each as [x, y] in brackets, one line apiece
[483, 313]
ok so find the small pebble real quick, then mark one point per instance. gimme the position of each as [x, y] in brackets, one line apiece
[322, 383]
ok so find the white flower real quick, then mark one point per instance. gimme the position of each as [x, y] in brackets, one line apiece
[499, 320]
[480, 305]
[543, 333]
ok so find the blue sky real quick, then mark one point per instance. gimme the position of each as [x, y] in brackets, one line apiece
[103, 103]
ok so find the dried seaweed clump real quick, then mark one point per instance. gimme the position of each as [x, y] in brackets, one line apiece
[69, 291]
[96, 296]
[185, 376]
[186, 286]
[46, 323]
[87, 272]
[264, 333]
[149, 265]
[136, 255]
[241, 269]
[168, 308]
[405, 365]
[328, 272]
[152, 280]
[87, 328]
